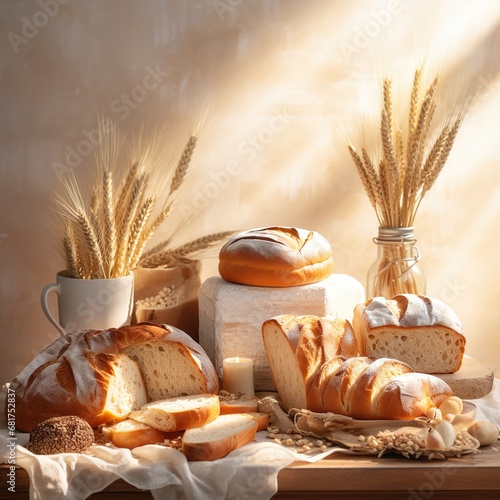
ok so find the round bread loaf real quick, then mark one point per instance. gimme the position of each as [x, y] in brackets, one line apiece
[103, 375]
[276, 257]
[69, 434]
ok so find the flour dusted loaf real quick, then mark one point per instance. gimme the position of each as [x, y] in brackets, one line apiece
[103, 375]
[276, 257]
[310, 373]
[421, 331]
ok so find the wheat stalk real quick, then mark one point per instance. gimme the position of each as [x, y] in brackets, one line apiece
[138, 226]
[109, 219]
[187, 249]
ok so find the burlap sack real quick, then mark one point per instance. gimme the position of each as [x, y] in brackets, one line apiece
[168, 296]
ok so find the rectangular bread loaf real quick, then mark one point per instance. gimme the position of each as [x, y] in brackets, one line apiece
[421, 331]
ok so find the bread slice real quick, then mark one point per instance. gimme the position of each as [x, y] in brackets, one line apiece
[423, 332]
[218, 438]
[131, 434]
[370, 383]
[180, 413]
[297, 347]
[262, 419]
[232, 403]
[317, 389]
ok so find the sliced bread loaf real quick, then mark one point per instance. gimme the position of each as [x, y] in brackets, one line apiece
[218, 438]
[175, 414]
[296, 348]
[101, 375]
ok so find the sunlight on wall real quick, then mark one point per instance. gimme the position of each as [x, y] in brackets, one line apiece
[288, 84]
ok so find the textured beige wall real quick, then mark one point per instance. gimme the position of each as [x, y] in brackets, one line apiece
[287, 81]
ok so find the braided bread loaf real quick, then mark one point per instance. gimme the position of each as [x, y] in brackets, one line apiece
[316, 368]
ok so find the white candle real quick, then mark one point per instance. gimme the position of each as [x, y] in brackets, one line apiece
[237, 375]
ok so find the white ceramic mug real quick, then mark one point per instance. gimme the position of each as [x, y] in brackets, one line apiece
[86, 304]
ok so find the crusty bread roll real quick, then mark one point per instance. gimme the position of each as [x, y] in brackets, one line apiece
[104, 375]
[180, 413]
[308, 375]
[218, 438]
[421, 331]
[131, 434]
[296, 346]
[276, 257]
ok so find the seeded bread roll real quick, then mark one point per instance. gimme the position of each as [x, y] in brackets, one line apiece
[310, 375]
[421, 331]
[103, 375]
[276, 257]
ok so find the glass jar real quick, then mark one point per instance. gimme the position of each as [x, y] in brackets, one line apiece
[397, 268]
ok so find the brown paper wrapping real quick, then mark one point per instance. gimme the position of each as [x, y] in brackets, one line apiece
[183, 280]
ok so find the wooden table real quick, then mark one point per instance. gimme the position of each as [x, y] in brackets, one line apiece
[470, 477]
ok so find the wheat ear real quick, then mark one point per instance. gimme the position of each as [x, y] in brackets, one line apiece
[183, 165]
[109, 220]
[365, 180]
[138, 226]
[70, 249]
[92, 242]
[125, 226]
[443, 157]
[414, 105]
[123, 198]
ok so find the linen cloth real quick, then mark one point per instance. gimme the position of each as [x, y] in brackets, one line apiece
[247, 473]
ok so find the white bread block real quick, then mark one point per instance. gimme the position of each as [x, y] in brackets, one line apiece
[231, 316]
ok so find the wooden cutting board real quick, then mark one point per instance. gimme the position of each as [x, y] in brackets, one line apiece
[474, 379]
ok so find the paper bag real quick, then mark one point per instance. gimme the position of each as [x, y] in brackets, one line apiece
[168, 295]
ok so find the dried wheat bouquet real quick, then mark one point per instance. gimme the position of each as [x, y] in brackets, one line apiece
[398, 170]
[413, 151]
[106, 237]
